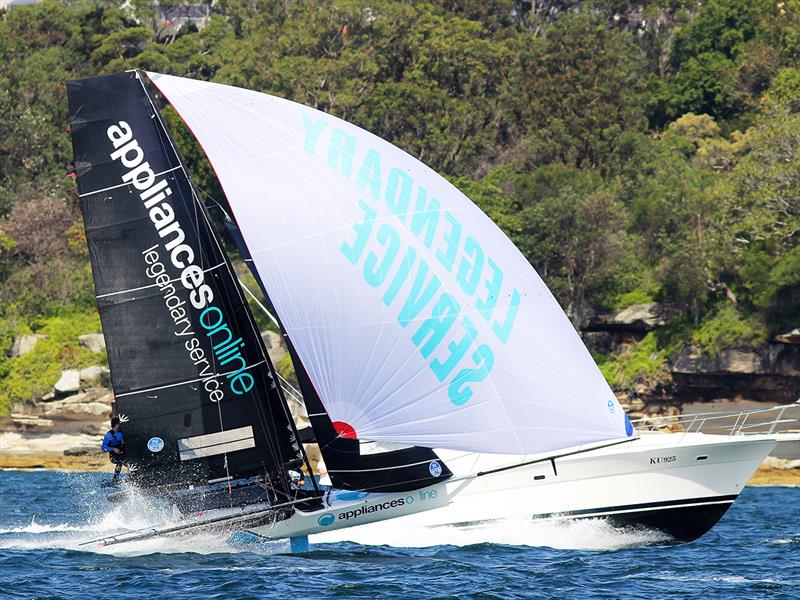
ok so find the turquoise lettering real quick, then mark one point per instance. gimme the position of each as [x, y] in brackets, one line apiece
[444, 314]
[242, 383]
[342, 151]
[203, 318]
[486, 307]
[376, 276]
[363, 231]
[398, 192]
[451, 240]
[313, 131]
[457, 351]
[469, 274]
[417, 297]
[369, 175]
[400, 277]
[502, 331]
[425, 215]
[458, 392]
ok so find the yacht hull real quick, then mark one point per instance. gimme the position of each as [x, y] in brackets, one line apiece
[679, 484]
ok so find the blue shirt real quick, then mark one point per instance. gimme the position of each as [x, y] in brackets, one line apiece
[113, 439]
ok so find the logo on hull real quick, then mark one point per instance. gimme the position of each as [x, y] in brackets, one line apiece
[326, 519]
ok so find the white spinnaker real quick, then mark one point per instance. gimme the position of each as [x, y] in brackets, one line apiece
[350, 236]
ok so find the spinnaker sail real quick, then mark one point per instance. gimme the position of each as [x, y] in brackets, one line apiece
[348, 467]
[417, 320]
[188, 366]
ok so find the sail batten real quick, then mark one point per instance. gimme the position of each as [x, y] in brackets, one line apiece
[416, 318]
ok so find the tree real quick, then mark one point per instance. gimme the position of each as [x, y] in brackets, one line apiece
[576, 90]
[572, 232]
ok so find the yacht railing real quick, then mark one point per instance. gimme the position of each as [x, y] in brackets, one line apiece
[777, 419]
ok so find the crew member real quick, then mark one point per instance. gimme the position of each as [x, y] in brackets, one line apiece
[113, 444]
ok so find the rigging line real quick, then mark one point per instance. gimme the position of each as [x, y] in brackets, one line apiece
[258, 302]
[114, 187]
[169, 385]
[293, 392]
[260, 344]
[555, 456]
[145, 287]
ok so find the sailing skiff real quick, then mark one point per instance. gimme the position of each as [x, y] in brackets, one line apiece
[443, 383]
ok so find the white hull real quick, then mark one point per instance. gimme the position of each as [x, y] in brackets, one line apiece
[659, 481]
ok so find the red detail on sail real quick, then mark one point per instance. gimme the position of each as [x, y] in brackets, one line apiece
[344, 430]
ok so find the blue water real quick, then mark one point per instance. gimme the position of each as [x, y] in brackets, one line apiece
[753, 552]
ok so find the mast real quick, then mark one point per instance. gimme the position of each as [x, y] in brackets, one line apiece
[188, 366]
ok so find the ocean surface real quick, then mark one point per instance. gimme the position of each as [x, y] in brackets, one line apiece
[754, 552]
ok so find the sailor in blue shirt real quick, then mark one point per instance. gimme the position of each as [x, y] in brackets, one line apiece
[112, 443]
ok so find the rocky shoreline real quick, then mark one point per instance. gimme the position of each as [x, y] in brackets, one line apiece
[63, 429]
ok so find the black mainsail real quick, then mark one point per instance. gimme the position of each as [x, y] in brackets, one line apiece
[188, 365]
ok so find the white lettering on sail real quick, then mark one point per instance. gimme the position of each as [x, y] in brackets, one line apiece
[155, 198]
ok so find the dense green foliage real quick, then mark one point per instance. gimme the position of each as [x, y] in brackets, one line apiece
[634, 151]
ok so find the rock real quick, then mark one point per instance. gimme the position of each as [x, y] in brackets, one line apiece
[95, 375]
[49, 396]
[25, 343]
[70, 382]
[768, 373]
[81, 398]
[639, 317]
[275, 346]
[781, 464]
[107, 397]
[94, 342]
[770, 359]
[29, 421]
[80, 451]
[71, 409]
[791, 337]
[637, 404]
[101, 395]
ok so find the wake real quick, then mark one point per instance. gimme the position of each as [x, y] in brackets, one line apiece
[140, 512]
[586, 534]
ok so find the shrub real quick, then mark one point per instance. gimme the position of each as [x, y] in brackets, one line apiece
[28, 377]
[642, 363]
[726, 328]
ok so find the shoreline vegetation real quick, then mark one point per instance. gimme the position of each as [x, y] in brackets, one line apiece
[643, 156]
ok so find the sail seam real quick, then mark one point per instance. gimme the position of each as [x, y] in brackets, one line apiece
[144, 287]
[155, 389]
[126, 184]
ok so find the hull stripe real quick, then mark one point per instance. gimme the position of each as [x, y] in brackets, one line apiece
[606, 511]
[639, 507]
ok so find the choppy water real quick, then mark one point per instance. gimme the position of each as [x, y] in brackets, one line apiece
[753, 552]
